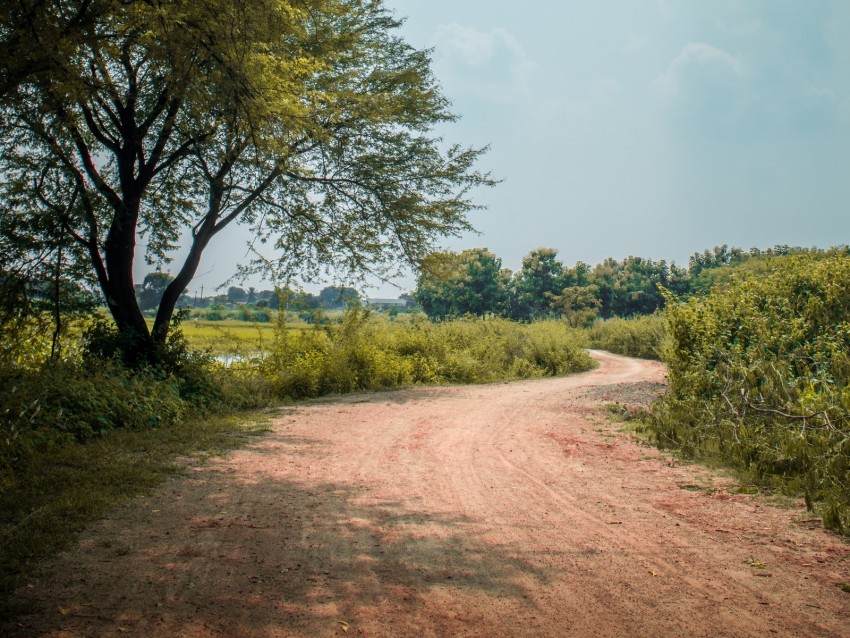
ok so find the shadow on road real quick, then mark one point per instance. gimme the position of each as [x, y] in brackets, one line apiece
[265, 555]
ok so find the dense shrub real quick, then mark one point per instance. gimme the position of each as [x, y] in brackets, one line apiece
[65, 402]
[370, 352]
[87, 391]
[641, 337]
[760, 376]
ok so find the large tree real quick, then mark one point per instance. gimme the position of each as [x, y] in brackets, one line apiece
[471, 282]
[535, 284]
[310, 120]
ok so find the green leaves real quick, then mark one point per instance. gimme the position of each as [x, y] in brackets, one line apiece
[759, 374]
[468, 283]
[310, 120]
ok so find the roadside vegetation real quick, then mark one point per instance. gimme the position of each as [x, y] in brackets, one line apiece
[641, 337]
[759, 374]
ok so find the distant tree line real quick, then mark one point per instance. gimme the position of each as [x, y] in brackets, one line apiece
[473, 282]
[149, 292]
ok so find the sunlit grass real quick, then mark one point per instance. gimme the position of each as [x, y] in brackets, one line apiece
[229, 337]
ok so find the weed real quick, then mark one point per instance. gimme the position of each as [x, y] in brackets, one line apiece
[641, 337]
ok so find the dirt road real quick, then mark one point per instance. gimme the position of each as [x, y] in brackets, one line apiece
[504, 510]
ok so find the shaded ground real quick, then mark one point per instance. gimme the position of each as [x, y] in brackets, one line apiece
[504, 510]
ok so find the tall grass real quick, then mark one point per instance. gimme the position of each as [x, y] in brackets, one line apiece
[369, 352]
[641, 337]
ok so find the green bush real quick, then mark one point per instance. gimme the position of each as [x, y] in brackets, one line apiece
[64, 402]
[371, 352]
[760, 377]
[641, 337]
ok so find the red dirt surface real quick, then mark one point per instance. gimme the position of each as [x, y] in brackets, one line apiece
[504, 510]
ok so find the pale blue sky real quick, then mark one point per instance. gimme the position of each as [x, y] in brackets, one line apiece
[642, 127]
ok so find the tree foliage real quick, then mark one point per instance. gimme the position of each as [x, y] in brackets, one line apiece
[539, 279]
[545, 287]
[760, 375]
[338, 297]
[468, 283]
[474, 282]
[309, 120]
[149, 292]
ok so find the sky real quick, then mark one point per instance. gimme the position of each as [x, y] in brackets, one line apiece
[654, 128]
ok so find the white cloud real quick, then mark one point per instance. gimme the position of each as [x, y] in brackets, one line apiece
[696, 57]
[476, 48]
[492, 62]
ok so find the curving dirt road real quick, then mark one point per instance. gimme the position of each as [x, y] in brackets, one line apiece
[504, 510]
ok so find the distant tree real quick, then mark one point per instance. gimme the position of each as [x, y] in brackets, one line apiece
[252, 295]
[149, 292]
[579, 275]
[578, 305]
[337, 297]
[455, 284]
[631, 287]
[235, 294]
[534, 284]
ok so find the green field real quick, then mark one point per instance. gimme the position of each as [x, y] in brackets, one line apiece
[229, 337]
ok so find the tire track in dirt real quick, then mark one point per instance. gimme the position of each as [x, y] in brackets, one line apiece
[509, 509]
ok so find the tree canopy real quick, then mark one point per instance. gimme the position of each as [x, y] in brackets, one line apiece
[474, 282]
[456, 284]
[309, 120]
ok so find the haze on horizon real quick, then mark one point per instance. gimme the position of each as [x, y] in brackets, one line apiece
[654, 128]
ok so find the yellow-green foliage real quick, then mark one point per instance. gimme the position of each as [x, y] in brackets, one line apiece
[368, 352]
[760, 376]
[641, 337]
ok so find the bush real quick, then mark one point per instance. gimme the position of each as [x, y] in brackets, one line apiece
[641, 337]
[370, 352]
[49, 402]
[760, 377]
[64, 402]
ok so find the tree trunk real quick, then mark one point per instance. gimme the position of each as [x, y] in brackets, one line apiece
[172, 293]
[137, 345]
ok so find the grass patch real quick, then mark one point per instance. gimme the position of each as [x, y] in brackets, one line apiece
[229, 337]
[367, 352]
[58, 492]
